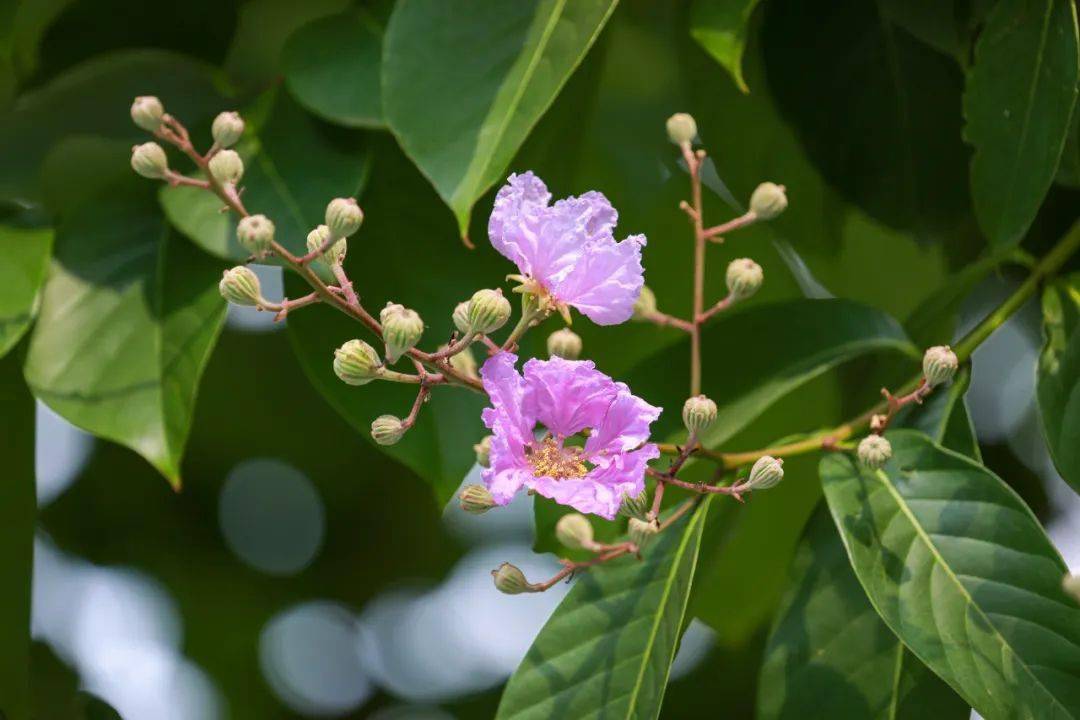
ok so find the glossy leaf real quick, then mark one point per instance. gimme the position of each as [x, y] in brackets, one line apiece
[1069, 167]
[1018, 101]
[1058, 377]
[944, 417]
[720, 27]
[607, 649]
[959, 568]
[500, 66]
[829, 654]
[26, 258]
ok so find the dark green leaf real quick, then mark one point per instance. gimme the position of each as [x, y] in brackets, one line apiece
[959, 568]
[608, 648]
[945, 418]
[26, 258]
[56, 694]
[1059, 377]
[1017, 104]
[1069, 167]
[721, 26]
[500, 66]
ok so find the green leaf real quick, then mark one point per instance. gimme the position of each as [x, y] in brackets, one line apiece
[500, 66]
[333, 67]
[959, 568]
[721, 26]
[607, 649]
[1069, 167]
[26, 258]
[829, 654]
[294, 165]
[944, 417]
[1019, 98]
[129, 315]
[1058, 377]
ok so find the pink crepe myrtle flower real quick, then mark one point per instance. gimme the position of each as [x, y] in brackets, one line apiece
[566, 397]
[566, 252]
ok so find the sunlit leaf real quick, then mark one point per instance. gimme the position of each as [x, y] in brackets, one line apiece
[26, 258]
[720, 26]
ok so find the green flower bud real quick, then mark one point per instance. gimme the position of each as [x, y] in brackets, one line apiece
[765, 473]
[356, 363]
[510, 580]
[636, 506]
[463, 362]
[1071, 585]
[939, 364]
[149, 160]
[387, 429]
[681, 128]
[227, 167]
[564, 343]
[874, 451]
[744, 278]
[255, 233]
[574, 531]
[645, 305]
[461, 317]
[147, 111]
[227, 129]
[402, 329]
[768, 200]
[698, 413]
[343, 217]
[483, 452]
[476, 499]
[240, 286]
[641, 532]
[488, 311]
[335, 255]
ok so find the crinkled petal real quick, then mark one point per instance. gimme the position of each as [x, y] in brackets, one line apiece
[566, 231]
[567, 396]
[625, 425]
[504, 483]
[606, 282]
[514, 227]
[506, 388]
[600, 492]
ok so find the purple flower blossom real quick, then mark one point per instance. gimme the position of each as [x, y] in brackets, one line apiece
[566, 397]
[566, 252]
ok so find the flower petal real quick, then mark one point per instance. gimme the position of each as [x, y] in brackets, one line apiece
[601, 491]
[505, 483]
[506, 388]
[625, 425]
[606, 282]
[567, 396]
[514, 226]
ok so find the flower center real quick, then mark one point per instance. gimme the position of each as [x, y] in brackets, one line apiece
[549, 458]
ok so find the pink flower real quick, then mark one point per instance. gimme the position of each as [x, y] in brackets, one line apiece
[566, 397]
[566, 252]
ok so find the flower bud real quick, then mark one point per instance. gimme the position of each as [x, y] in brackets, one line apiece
[574, 531]
[335, 254]
[343, 217]
[255, 233]
[744, 278]
[227, 167]
[488, 311]
[939, 364]
[356, 363]
[146, 111]
[510, 580]
[564, 343]
[698, 413]
[681, 128]
[1071, 585]
[768, 200]
[645, 305]
[240, 286]
[387, 430]
[874, 451]
[476, 499]
[483, 452]
[149, 160]
[636, 506]
[765, 473]
[402, 329]
[641, 532]
[227, 129]
[461, 317]
[463, 362]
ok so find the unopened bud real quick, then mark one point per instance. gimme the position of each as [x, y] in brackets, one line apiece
[227, 129]
[878, 422]
[240, 286]
[149, 160]
[255, 233]
[356, 363]
[463, 362]
[698, 413]
[461, 317]
[768, 200]
[564, 343]
[574, 531]
[147, 111]
[510, 580]
[343, 217]
[476, 499]
[765, 473]
[402, 329]
[681, 128]
[227, 167]
[635, 506]
[483, 452]
[387, 429]
[939, 365]
[1071, 585]
[874, 451]
[645, 305]
[744, 278]
[641, 532]
[488, 311]
[335, 254]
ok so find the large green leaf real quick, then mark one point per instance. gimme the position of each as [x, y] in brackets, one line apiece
[129, 315]
[1069, 167]
[1019, 98]
[945, 418]
[607, 649]
[26, 258]
[829, 654]
[1059, 377]
[721, 26]
[959, 568]
[500, 65]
